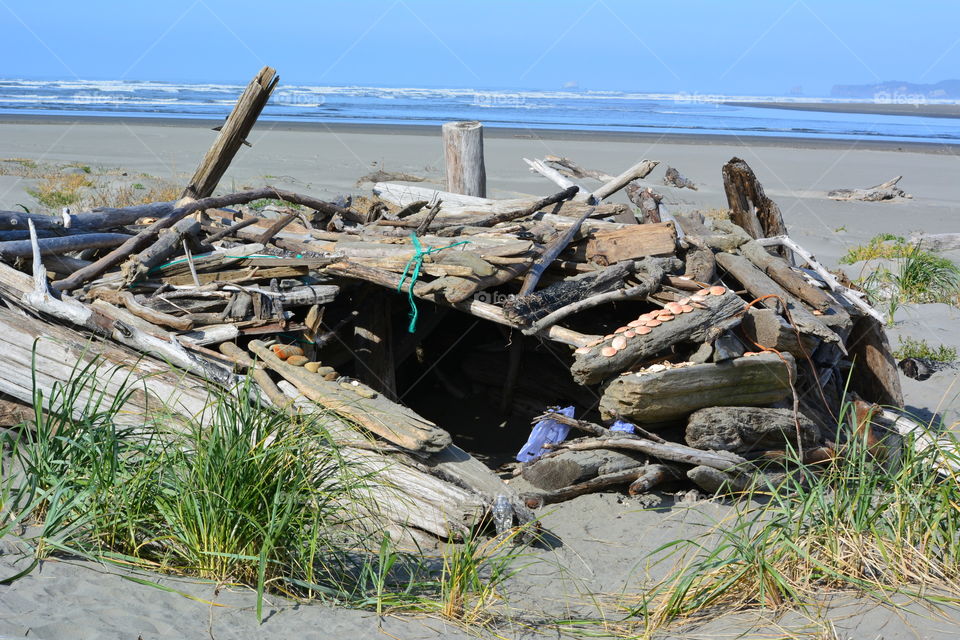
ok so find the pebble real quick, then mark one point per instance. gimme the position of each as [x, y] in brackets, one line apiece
[619, 343]
[666, 317]
[653, 323]
[642, 331]
[685, 308]
[298, 361]
[629, 334]
[312, 366]
[607, 352]
[283, 351]
[717, 290]
[621, 329]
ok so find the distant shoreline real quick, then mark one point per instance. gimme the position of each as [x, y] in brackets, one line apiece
[875, 108]
[504, 132]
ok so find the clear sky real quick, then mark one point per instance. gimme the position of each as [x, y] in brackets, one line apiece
[707, 46]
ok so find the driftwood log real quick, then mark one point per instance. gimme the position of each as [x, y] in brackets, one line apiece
[651, 397]
[885, 191]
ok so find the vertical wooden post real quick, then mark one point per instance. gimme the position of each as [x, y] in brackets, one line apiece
[463, 157]
[373, 344]
[233, 133]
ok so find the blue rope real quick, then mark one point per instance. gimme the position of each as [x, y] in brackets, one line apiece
[413, 267]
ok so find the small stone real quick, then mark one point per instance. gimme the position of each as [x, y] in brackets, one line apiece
[653, 323]
[284, 351]
[608, 352]
[666, 317]
[298, 361]
[717, 290]
[629, 334]
[686, 308]
[621, 329]
[312, 366]
[642, 331]
[675, 308]
[619, 343]
[635, 323]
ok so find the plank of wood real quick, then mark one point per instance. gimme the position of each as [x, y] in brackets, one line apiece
[676, 392]
[387, 419]
[633, 242]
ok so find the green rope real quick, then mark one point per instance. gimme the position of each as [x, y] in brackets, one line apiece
[413, 267]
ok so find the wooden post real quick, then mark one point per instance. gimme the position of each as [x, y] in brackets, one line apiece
[233, 133]
[463, 157]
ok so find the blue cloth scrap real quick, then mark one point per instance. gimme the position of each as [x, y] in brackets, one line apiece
[543, 433]
[621, 425]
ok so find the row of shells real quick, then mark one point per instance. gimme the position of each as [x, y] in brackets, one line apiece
[293, 355]
[647, 322]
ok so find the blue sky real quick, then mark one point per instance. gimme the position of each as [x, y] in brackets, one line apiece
[706, 46]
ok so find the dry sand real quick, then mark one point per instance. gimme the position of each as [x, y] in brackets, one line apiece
[602, 540]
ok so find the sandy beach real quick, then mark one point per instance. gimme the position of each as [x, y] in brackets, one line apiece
[601, 540]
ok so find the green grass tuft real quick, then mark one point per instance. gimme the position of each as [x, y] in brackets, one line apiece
[912, 348]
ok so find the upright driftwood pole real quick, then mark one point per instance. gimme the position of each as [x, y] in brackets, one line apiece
[232, 134]
[463, 157]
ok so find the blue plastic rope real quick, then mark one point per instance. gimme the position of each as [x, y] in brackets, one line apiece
[413, 267]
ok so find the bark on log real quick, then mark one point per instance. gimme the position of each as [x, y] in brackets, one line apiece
[169, 243]
[670, 451]
[392, 422]
[788, 278]
[565, 468]
[674, 393]
[537, 500]
[766, 328]
[637, 172]
[673, 178]
[96, 220]
[463, 158]
[760, 285]
[65, 244]
[875, 376]
[698, 326]
[647, 201]
[746, 429]
[750, 207]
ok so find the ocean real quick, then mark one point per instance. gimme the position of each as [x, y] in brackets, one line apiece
[570, 110]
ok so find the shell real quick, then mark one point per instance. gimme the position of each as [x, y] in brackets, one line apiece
[608, 336]
[698, 298]
[594, 343]
[297, 361]
[684, 300]
[666, 317]
[621, 329]
[653, 323]
[685, 308]
[629, 334]
[675, 307]
[619, 343]
[642, 331]
[635, 323]
[582, 351]
[607, 352]
[717, 290]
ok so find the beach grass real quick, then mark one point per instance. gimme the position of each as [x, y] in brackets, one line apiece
[241, 495]
[918, 348]
[878, 526]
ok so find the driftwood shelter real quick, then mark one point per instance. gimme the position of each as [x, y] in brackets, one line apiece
[433, 327]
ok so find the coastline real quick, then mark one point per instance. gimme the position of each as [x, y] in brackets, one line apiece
[748, 139]
[870, 108]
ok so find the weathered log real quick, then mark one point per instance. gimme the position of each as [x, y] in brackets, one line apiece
[936, 241]
[537, 306]
[750, 207]
[760, 285]
[746, 429]
[654, 475]
[713, 481]
[768, 329]
[670, 451]
[379, 415]
[788, 278]
[569, 168]
[65, 244]
[463, 158]
[549, 254]
[592, 367]
[875, 377]
[700, 263]
[537, 500]
[673, 178]
[499, 218]
[638, 171]
[169, 243]
[566, 467]
[232, 134]
[856, 298]
[647, 201]
[558, 178]
[629, 243]
[676, 392]
[885, 191]
[96, 220]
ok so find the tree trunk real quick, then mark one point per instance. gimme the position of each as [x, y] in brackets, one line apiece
[463, 157]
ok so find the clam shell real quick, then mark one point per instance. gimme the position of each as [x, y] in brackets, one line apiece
[653, 323]
[685, 300]
[635, 323]
[675, 307]
[666, 317]
[629, 334]
[608, 336]
[582, 351]
[619, 343]
[642, 331]
[698, 298]
[717, 290]
[621, 329]
[607, 352]
[685, 308]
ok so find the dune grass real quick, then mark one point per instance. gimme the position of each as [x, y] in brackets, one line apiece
[918, 277]
[240, 495]
[917, 348]
[879, 527]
